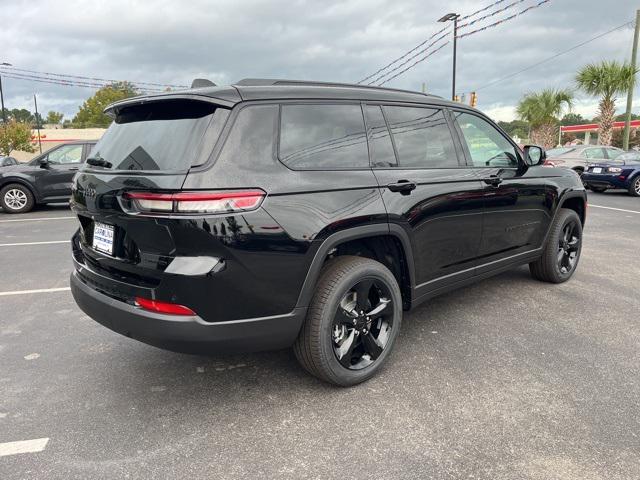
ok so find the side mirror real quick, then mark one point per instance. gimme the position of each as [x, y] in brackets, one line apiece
[44, 162]
[534, 155]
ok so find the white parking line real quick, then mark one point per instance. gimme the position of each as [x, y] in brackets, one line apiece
[37, 218]
[33, 243]
[617, 209]
[39, 290]
[23, 446]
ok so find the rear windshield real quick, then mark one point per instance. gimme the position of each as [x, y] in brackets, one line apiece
[169, 135]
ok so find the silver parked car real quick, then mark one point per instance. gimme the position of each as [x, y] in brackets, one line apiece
[579, 157]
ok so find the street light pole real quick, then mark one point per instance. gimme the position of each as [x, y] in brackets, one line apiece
[4, 114]
[447, 18]
[634, 54]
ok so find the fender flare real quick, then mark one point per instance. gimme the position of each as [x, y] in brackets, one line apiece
[572, 194]
[355, 233]
[9, 180]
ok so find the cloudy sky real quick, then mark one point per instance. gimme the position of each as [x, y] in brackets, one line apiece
[173, 42]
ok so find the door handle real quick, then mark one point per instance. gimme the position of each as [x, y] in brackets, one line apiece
[405, 187]
[73, 169]
[493, 180]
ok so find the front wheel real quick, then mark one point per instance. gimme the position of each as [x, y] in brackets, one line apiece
[352, 323]
[561, 253]
[16, 198]
[634, 188]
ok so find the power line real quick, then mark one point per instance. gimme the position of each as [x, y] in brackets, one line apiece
[555, 56]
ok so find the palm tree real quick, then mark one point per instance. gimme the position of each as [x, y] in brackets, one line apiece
[606, 80]
[542, 110]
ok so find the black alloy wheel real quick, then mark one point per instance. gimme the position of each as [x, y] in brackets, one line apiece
[569, 247]
[362, 324]
[352, 321]
[561, 253]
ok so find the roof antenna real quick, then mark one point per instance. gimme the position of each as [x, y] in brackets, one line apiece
[202, 82]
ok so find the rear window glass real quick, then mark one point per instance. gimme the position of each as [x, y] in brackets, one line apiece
[170, 135]
[422, 137]
[554, 152]
[323, 137]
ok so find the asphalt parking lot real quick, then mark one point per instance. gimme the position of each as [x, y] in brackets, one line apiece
[507, 379]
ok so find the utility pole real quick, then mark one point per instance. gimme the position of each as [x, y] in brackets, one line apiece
[634, 53]
[4, 114]
[447, 18]
[35, 103]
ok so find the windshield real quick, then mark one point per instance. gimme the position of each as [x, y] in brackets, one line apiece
[169, 135]
[554, 152]
[629, 157]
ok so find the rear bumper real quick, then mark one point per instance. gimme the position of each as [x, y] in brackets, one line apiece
[604, 181]
[187, 334]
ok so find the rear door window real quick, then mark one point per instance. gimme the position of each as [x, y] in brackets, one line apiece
[171, 135]
[422, 137]
[594, 153]
[380, 145]
[323, 137]
[66, 154]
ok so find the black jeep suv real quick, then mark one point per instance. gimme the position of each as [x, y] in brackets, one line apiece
[276, 213]
[45, 179]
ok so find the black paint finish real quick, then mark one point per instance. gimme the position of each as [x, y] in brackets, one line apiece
[451, 226]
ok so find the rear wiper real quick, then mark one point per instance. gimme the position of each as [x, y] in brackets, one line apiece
[98, 161]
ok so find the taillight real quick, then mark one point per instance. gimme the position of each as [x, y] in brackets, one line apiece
[614, 169]
[194, 202]
[163, 307]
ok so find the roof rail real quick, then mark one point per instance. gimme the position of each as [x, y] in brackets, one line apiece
[265, 82]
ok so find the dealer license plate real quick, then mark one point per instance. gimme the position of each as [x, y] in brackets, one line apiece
[103, 237]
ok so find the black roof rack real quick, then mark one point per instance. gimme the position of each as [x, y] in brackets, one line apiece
[265, 82]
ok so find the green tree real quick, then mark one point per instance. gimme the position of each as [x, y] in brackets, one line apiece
[606, 80]
[573, 119]
[91, 113]
[516, 128]
[54, 117]
[15, 136]
[21, 115]
[541, 111]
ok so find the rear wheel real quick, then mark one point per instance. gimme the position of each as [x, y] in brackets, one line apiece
[634, 188]
[16, 198]
[562, 251]
[352, 323]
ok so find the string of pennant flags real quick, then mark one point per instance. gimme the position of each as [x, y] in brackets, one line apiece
[385, 74]
[492, 14]
[407, 53]
[396, 68]
[483, 9]
[414, 64]
[506, 19]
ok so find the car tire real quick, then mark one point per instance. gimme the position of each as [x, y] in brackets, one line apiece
[338, 347]
[561, 253]
[634, 187]
[598, 189]
[16, 198]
